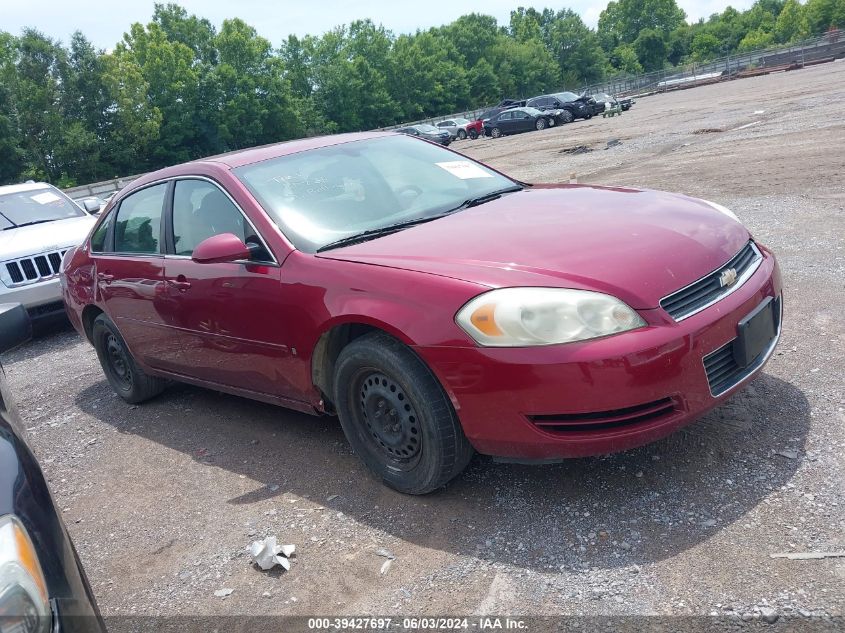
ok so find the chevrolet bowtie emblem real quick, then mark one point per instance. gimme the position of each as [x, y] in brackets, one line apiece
[727, 277]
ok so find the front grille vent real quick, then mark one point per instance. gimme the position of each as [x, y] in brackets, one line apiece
[710, 289]
[31, 270]
[600, 420]
[723, 372]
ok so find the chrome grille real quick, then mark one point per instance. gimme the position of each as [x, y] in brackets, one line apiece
[709, 289]
[33, 269]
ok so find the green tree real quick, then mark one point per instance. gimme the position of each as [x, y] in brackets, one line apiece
[428, 77]
[625, 59]
[705, 46]
[483, 84]
[525, 68]
[755, 40]
[791, 24]
[474, 36]
[622, 20]
[651, 49]
[575, 48]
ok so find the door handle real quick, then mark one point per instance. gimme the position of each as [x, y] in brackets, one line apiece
[106, 277]
[179, 284]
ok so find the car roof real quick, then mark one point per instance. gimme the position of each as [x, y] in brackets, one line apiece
[26, 186]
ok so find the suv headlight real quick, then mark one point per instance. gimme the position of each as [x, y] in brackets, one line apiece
[24, 604]
[522, 317]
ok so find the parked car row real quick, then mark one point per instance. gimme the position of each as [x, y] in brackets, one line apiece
[523, 115]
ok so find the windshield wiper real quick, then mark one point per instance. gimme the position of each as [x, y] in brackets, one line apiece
[488, 197]
[373, 233]
[33, 222]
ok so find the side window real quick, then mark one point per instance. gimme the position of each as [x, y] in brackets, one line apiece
[98, 240]
[506, 116]
[137, 227]
[201, 210]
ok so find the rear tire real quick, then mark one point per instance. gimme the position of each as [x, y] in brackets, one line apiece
[127, 379]
[397, 417]
[473, 134]
[462, 134]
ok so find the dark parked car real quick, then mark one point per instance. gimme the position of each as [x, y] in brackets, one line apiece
[42, 585]
[428, 132]
[518, 120]
[435, 305]
[582, 107]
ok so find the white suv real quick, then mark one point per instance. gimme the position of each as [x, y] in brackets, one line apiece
[38, 224]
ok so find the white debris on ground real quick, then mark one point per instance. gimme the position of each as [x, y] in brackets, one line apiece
[267, 553]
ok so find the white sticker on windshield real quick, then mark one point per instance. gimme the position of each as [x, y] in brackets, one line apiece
[45, 198]
[464, 169]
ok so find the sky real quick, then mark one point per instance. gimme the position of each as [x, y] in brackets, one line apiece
[105, 21]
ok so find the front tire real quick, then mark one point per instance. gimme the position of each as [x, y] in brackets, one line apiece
[541, 124]
[127, 379]
[397, 417]
[496, 132]
[567, 117]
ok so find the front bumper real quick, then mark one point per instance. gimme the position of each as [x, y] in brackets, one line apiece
[506, 397]
[42, 300]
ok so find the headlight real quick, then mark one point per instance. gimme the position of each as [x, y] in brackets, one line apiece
[519, 317]
[724, 210]
[24, 605]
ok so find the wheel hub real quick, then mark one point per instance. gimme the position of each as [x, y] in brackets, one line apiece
[117, 360]
[389, 416]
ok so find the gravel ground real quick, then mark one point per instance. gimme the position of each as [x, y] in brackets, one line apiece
[163, 499]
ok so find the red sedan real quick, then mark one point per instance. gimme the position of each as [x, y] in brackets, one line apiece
[435, 305]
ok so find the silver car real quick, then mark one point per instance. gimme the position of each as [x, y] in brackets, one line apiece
[457, 128]
[38, 225]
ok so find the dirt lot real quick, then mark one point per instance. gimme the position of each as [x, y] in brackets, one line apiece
[163, 499]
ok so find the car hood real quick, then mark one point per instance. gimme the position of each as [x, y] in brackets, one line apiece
[634, 244]
[40, 238]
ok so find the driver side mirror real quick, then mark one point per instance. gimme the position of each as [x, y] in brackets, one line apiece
[225, 247]
[92, 206]
[15, 327]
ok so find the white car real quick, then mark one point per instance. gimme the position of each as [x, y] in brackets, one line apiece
[457, 128]
[38, 224]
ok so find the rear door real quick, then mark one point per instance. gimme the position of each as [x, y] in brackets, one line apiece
[505, 122]
[129, 269]
[227, 313]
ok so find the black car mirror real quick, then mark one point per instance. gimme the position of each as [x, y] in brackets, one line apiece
[15, 327]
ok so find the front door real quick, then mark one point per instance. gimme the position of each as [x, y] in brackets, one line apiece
[129, 269]
[227, 313]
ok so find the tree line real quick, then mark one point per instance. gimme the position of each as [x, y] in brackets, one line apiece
[179, 88]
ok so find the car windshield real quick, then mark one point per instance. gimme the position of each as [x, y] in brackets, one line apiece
[567, 96]
[424, 127]
[34, 207]
[324, 195]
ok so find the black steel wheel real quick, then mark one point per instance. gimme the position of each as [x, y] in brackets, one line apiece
[396, 415]
[389, 417]
[127, 379]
